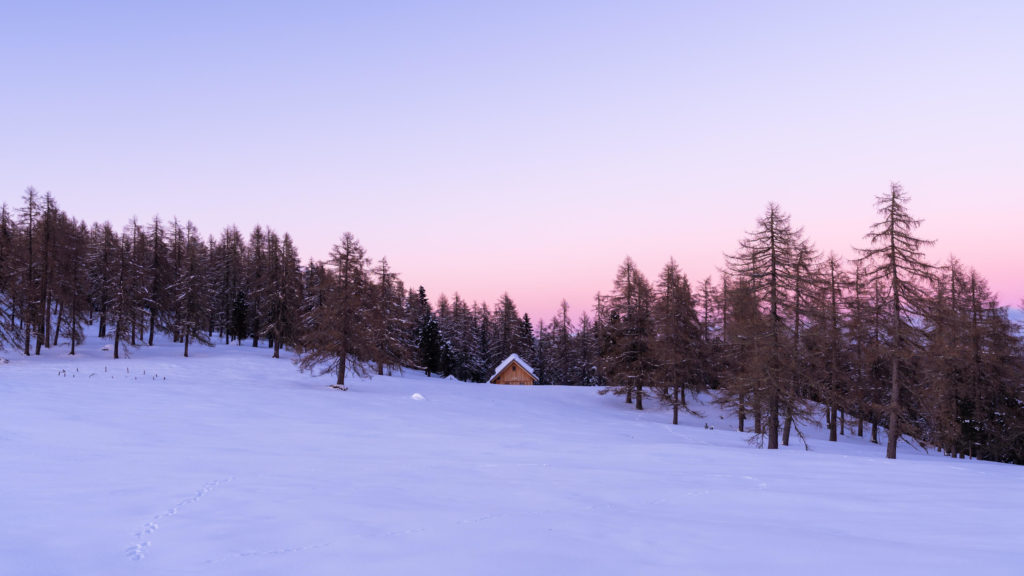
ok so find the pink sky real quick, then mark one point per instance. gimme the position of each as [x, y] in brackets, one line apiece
[527, 147]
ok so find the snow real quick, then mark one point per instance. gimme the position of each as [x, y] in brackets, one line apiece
[513, 358]
[230, 462]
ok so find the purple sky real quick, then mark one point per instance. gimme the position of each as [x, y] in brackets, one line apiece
[526, 147]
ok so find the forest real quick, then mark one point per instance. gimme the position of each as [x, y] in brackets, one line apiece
[885, 339]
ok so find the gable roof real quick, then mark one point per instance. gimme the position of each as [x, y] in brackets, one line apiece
[518, 360]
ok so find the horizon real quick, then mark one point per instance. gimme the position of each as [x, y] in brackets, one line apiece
[542, 144]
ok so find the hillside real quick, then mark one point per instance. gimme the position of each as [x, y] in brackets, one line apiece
[230, 462]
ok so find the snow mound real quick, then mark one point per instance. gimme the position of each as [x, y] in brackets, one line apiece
[417, 396]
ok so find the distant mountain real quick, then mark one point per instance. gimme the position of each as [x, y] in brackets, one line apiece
[1017, 315]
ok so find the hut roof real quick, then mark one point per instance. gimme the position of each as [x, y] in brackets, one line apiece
[518, 360]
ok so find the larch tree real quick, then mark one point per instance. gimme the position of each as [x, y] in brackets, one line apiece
[255, 283]
[765, 260]
[192, 291]
[9, 332]
[678, 339]
[630, 361]
[895, 261]
[336, 338]
[388, 325]
[804, 283]
[157, 299]
[73, 284]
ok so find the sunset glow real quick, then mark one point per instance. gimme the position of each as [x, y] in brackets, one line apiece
[526, 147]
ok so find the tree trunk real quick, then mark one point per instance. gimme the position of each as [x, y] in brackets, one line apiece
[773, 421]
[894, 412]
[186, 344]
[787, 426]
[832, 437]
[741, 412]
[43, 331]
[71, 327]
[340, 384]
[56, 328]
[874, 430]
[639, 397]
[117, 340]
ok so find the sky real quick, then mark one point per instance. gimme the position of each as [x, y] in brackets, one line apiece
[526, 147]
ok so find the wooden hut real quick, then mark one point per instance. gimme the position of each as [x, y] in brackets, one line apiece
[514, 370]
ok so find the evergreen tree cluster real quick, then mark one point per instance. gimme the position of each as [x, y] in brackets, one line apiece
[886, 339]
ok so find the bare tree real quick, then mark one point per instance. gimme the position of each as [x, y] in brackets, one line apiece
[895, 262]
[336, 337]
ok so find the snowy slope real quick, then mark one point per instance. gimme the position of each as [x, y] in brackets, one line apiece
[234, 463]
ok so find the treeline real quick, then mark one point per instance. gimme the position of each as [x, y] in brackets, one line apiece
[884, 340]
[887, 339]
[59, 276]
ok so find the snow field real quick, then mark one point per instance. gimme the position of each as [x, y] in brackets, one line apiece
[231, 462]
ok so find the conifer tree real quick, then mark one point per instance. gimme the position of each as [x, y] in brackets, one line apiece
[584, 370]
[73, 284]
[678, 341]
[255, 284]
[765, 260]
[895, 262]
[335, 338]
[9, 332]
[426, 332]
[388, 322]
[192, 291]
[630, 361]
[745, 359]
[159, 275]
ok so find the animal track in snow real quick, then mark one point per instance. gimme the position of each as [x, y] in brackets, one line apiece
[137, 551]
